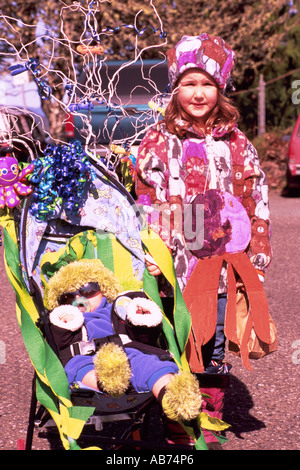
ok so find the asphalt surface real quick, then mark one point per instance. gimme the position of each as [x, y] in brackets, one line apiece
[262, 405]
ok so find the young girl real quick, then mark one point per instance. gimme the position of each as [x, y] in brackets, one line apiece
[202, 179]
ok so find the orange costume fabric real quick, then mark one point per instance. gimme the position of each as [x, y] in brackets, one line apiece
[201, 296]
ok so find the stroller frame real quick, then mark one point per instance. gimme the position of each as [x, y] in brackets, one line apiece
[34, 297]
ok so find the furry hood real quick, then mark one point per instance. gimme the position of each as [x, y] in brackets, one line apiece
[71, 277]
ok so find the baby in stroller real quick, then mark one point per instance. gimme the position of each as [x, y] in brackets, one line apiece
[107, 339]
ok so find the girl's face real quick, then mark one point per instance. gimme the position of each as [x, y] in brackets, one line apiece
[197, 95]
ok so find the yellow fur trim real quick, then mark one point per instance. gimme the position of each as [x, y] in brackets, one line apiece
[71, 277]
[182, 399]
[113, 369]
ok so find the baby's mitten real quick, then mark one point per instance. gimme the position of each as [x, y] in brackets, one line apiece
[182, 398]
[113, 369]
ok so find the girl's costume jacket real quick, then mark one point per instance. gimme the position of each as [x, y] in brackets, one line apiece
[207, 197]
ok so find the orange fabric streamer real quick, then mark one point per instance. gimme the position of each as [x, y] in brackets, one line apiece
[201, 297]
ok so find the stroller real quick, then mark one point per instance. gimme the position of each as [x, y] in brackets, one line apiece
[77, 209]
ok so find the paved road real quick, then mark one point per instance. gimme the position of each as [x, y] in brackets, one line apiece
[262, 406]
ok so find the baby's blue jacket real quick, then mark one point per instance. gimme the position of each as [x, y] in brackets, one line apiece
[146, 369]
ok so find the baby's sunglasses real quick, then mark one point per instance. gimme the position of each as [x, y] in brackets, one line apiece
[88, 290]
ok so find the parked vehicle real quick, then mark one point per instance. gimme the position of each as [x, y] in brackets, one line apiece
[113, 102]
[293, 159]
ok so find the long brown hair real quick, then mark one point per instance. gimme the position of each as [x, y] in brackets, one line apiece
[223, 118]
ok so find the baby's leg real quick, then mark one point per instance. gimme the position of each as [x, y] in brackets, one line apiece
[160, 384]
[90, 380]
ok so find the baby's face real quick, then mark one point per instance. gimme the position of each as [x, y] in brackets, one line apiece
[88, 304]
[95, 301]
[85, 305]
[87, 298]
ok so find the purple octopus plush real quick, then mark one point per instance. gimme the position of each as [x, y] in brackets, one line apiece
[12, 182]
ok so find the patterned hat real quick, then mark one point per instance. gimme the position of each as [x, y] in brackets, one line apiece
[209, 53]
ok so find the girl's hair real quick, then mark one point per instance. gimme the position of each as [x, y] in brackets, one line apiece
[223, 118]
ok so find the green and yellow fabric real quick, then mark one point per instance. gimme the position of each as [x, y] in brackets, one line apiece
[51, 385]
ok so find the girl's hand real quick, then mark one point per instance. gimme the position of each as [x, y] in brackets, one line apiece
[151, 266]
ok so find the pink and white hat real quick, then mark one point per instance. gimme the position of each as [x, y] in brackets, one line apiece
[209, 53]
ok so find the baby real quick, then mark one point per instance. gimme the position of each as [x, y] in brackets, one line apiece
[85, 307]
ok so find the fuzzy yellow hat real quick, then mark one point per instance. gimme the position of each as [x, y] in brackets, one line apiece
[74, 275]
